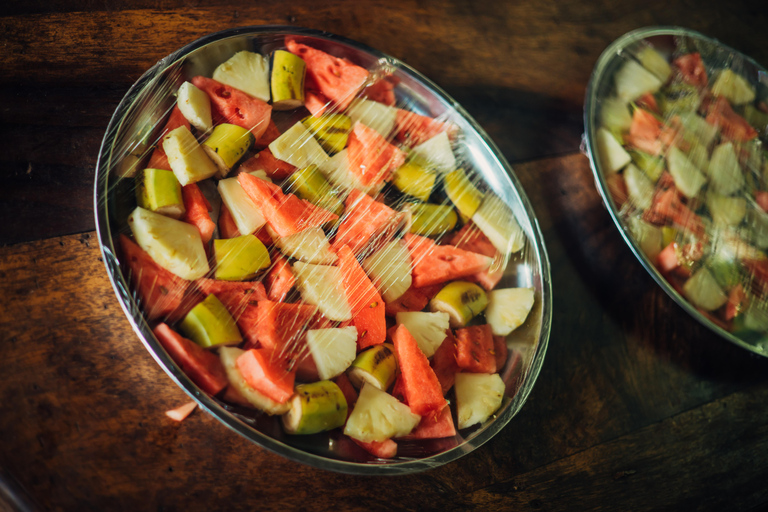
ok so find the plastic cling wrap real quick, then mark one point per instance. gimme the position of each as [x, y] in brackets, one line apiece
[676, 130]
[313, 240]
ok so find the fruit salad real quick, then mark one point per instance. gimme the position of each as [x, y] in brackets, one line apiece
[305, 245]
[680, 145]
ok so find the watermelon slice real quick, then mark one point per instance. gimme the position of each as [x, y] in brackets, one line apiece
[413, 129]
[444, 362]
[235, 295]
[227, 225]
[382, 90]
[645, 132]
[500, 351]
[475, 349]
[386, 449]
[267, 162]
[314, 100]
[286, 214]
[692, 69]
[159, 160]
[233, 106]
[278, 325]
[339, 80]
[363, 219]
[268, 372]
[197, 208]
[368, 309]
[203, 367]
[371, 157]
[279, 279]
[270, 134]
[433, 264]
[160, 292]
[471, 238]
[434, 426]
[422, 389]
[733, 126]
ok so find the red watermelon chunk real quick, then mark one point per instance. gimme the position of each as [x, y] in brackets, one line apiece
[233, 106]
[279, 279]
[444, 362]
[235, 295]
[433, 264]
[434, 426]
[414, 299]
[282, 326]
[269, 136]
[732, 125]
[386, 449]
[339, 80]
[500, 351]
[475, 349]
[382, 90]
[159, 160]
[422, 389]
[371, 157]
[412, 129]
[363, 219]
[692, 69]
[196, 211]
[470, 238]
[160, 292]
[267, 162]
[203, 367]
[364, 300]
[227, 225]
[314, 100]
[268, 372]
[286, 214]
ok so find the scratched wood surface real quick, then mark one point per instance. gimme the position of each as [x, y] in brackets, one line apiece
[637, 407]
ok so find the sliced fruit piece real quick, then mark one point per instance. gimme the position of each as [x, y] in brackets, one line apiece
[422, 389]
[478, 396]
[285, 213]
[246, 215]
[501, 351]
[339, 80]
[430, 219]
[287, 80]
[376, 366]
[613, 157]
[310, 184]
[247, 72]
[692, 69]
[508, 308]
[428, 329]
[633, 80]
[159, 191]
[462, 192]
[187, 159]
[498, 223]
[196, 208]
[309, 246]
[386, 449]
[195, 105]
[338, 172]
[726, 210]
[231, 105]
[330, 130]
[209, 324]
[298, 147]
[181, 413]
[733, 87]
[645, 133]
[229, 357]
[414, 180]
[444, 362]
[697, 126]
[375, 115]
[371, 157]
[240, 259]
[378, 416]
[703, 291]
[281, 326]
[654, 62]
[322, 286]
[268, 372]
[434, 264]
[679, 98]
[333, 350]
[732, 125]
[414, 299]
[158, 159]
[174, 245]
[265, 161]
[203, 367]
[315, 407]
[268, 137]
[226, 145]
[382, 90]
[363, 219]
[460, 301]
[639, 187]
[280, 279]
[470, 238]
[648, 236]
[725, 172]
[435, 153]
[688, 178]
[435, 426]
[237, 296]
[615, 115]
[413, 129]
[368, 308]
[475, 349]
[390, 270]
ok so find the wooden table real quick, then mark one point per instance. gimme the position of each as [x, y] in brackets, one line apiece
[637, 407]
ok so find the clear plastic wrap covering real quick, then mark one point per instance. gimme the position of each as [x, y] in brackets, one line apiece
[676, 126]
[291, 219]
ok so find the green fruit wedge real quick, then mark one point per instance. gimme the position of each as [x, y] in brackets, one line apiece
[226, 146]
[287, 80]
[462, 301]
[464, 195]
[315, 407]
[432, 219]
[209, 324]
[240, 258]
[310, 184]
[159, 191]
[376, 366]
[330, 130]
[414, 180]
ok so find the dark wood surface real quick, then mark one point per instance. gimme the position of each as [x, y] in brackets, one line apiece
[637, 407]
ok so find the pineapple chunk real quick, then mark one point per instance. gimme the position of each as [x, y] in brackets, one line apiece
[188, 161]
[611, 154]
[633, 80]
[195, 106]
[309, 246]
[615, 115]
[654, 62]
[435, 153]
[696, 125]
[726, 210]
[639, 187]
[229, 357]
[649, 237]
[321, 286]
[508, 308]
[703, 291]
[724, 170]
[378, 416]
[246, 71]
[374, 115]
[333, 350]
[498, 223]
[299, 148]
[390, 270]
[174, 245]
[245, 213]
[478, 396]
[733, 87]
[336, 169]
[688, 178]
[428, 329]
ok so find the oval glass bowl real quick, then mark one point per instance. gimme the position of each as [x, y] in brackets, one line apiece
[670, 42]
[140, 116]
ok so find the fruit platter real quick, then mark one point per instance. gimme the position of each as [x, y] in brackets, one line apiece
[676, 131]
[323, 250]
